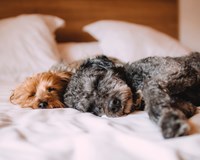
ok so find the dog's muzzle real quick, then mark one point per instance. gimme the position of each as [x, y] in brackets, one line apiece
[94, 110]
[43, 105]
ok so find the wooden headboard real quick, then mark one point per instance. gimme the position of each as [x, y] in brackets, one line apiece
[159, 14]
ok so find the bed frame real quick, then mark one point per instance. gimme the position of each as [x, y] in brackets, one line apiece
[159, 14]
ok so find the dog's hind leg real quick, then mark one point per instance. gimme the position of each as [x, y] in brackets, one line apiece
[186, 107]
[172, 120]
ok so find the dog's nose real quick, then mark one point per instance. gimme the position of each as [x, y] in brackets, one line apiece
[114, 105]
[43, 105]
[93, 109]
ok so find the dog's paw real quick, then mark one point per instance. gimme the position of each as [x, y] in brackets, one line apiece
[173, 125]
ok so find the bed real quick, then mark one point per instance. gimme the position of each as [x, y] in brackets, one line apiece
[28, 30]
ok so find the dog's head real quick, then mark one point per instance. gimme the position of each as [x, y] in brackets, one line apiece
[43, 90]
[99, 87]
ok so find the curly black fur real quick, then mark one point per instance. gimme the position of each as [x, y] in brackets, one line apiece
[99, 86]
[169, 88]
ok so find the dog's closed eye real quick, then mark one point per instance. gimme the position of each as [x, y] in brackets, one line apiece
[32, 94]
[50, 89]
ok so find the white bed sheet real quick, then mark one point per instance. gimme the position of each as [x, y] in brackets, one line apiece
[67, 134]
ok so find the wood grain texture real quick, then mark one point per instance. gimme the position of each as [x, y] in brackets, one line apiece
[159, 14]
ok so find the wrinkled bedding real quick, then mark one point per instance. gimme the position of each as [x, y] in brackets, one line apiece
[67, 134]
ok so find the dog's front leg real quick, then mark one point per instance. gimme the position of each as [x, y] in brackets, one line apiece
[158, 102]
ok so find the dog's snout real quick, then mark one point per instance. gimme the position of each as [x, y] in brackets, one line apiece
[114, 105]
[93, 109]
[43, 105]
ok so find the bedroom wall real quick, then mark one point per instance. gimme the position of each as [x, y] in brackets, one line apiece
[159, 14]
[189, 23]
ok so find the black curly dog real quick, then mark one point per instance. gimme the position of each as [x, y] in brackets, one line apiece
[169, 88]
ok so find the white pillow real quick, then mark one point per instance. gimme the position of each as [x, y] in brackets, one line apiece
[27, 45]
[130, 42]
[72, 51]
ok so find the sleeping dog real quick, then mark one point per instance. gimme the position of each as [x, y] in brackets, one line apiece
[168, 89]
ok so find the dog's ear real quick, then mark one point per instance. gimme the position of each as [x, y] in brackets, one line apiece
[100, 62]
[16, 96]
[120, 72]
[12, 97]
[19, 95]
[65, 76]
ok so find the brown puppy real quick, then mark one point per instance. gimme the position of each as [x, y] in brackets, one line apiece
[43, 90]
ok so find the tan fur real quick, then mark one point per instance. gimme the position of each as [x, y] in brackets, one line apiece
[43, 87]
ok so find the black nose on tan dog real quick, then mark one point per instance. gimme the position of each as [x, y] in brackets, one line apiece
[43, 105]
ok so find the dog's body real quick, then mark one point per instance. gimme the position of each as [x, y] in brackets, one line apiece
[168, 86]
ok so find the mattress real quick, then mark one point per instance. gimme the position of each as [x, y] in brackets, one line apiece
[58, 134]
